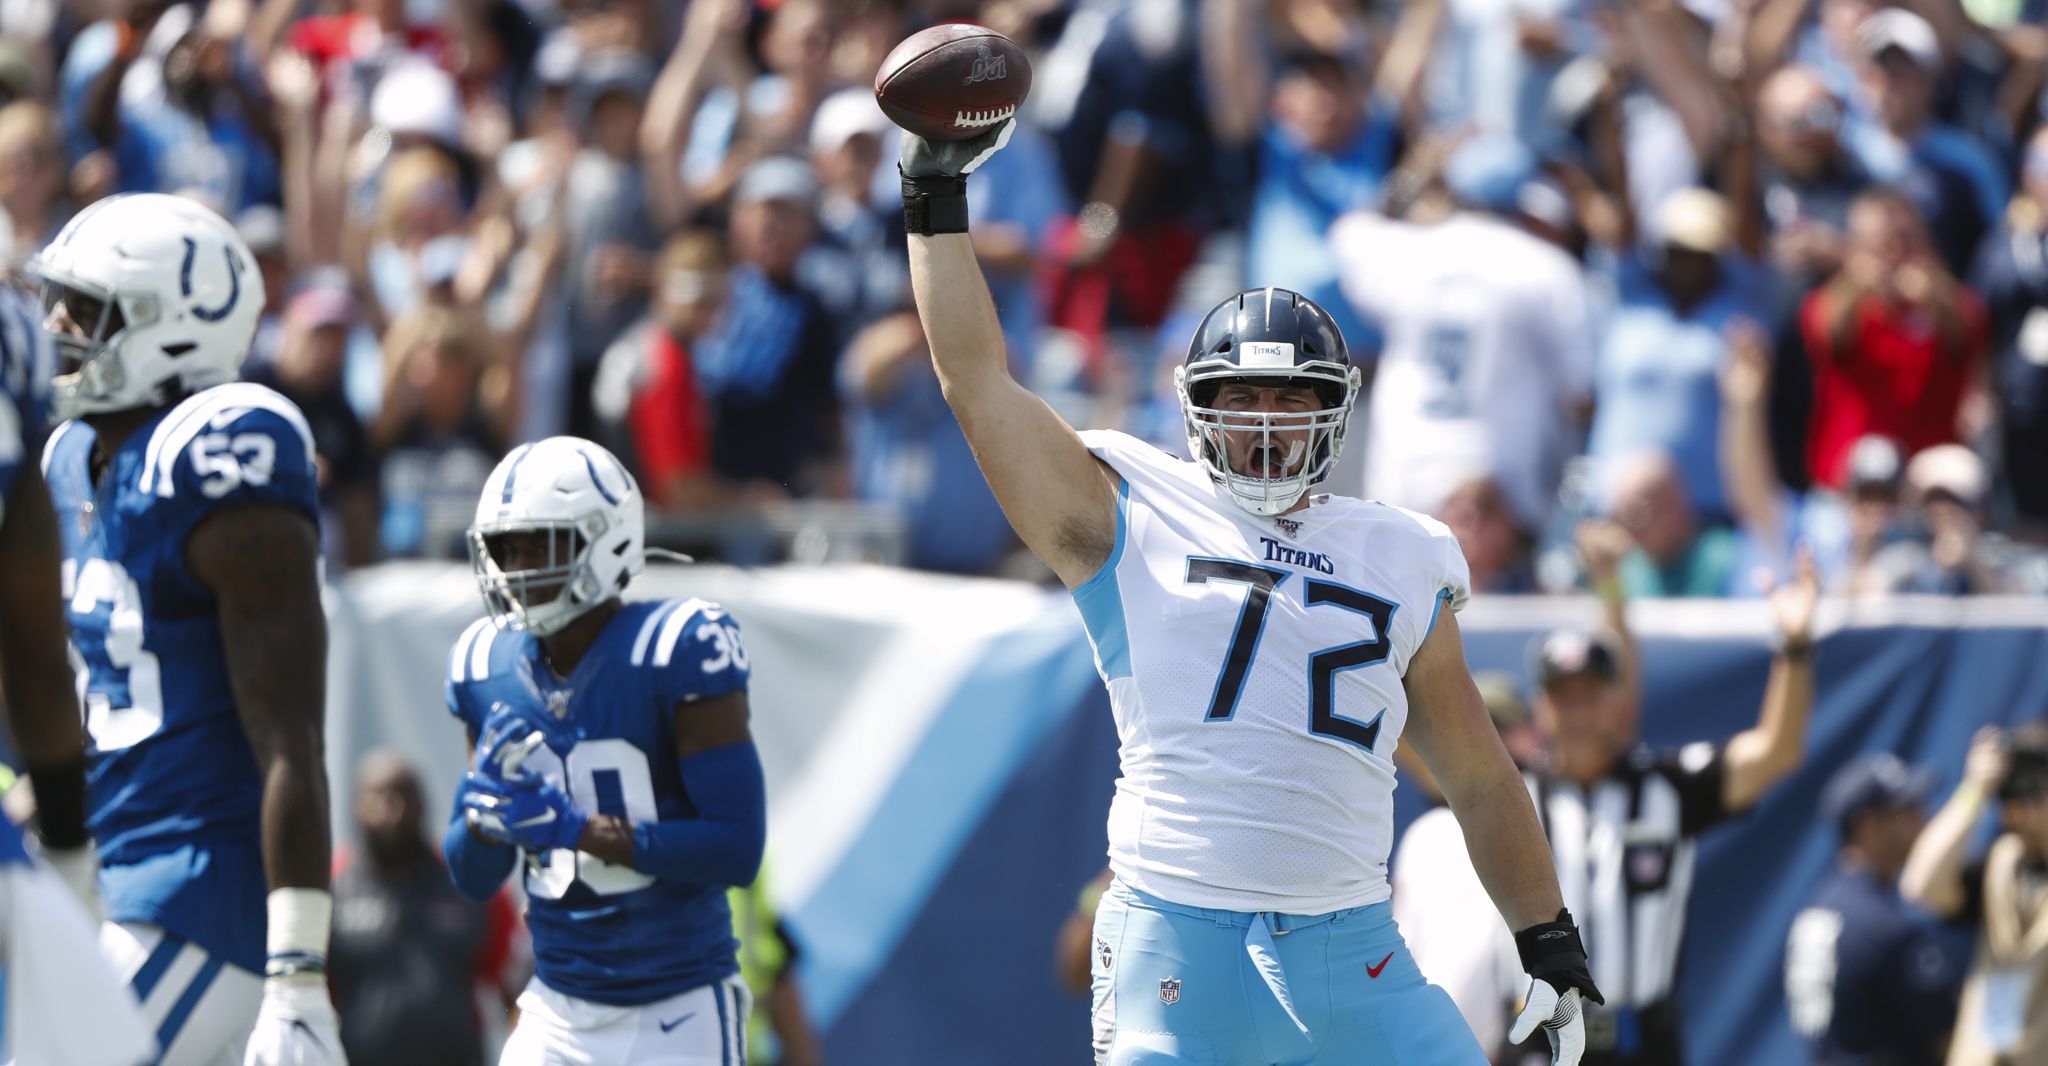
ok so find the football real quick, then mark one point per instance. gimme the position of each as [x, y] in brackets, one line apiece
[951, 82]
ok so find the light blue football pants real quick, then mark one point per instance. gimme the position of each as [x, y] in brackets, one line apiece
[1177, 984]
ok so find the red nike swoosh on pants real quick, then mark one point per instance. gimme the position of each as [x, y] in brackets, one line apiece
[1374, 971]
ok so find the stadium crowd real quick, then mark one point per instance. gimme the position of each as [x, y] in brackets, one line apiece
[1736, 273]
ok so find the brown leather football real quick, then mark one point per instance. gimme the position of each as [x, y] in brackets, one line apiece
[951, 82]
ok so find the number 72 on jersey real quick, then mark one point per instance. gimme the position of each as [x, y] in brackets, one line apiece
[1260, 584]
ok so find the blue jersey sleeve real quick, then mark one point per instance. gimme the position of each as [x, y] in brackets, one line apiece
[247, 455]
[468, 661]
[697, 654]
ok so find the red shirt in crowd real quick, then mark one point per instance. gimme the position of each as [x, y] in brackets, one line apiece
[1895, 375]
[671, 432]
[330, 39]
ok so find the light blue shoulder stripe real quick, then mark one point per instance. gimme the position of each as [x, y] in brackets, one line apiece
[1102, 602]
[1443, 596]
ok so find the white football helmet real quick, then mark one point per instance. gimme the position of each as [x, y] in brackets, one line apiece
[167, 295]
[591, 511]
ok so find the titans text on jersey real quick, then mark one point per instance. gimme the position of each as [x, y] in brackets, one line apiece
[604, 932]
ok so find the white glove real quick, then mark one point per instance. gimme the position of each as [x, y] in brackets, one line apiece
[296, 1025]
[79, 869]
[1560, 1018]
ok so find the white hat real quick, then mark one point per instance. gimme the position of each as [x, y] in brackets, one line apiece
[844, 115]
[1693, 218]
[1901, 29]
[1949, 468]
[417, 97]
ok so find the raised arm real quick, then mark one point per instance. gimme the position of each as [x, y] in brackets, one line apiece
[1933, 877]
[1060, 499]
[1768, 752]
[711, 28]
[1747, 473]
[1235, 66]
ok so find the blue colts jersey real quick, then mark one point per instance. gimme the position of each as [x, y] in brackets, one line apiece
[173, 785]
[25, 363]
[604, 932]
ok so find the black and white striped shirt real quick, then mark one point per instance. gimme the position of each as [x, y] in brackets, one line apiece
[1624, 851]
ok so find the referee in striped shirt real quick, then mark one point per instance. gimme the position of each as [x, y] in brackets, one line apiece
[1623, 819]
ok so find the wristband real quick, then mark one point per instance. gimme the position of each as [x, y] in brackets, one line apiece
[1796, 651]
[1552, 952]
[300, 919]
[934, 204]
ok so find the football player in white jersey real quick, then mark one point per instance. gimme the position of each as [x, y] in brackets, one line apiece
[1265, 648]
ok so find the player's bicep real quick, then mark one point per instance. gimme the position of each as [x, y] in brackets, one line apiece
[1447, 719]
[261, 561]
[706, 724]
[1058, 496]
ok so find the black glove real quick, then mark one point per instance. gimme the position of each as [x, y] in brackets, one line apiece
[1552, 952]
[935, 178]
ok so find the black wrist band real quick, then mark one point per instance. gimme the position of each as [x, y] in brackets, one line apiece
[935, 204]
[1798, 651]
[1539, 942]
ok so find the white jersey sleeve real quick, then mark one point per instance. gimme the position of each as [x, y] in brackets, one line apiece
[1255, 667]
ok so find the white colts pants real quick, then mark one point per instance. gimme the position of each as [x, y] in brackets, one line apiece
[200, 1007]
[705, 1026]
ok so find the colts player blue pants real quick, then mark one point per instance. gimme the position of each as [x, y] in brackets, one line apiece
[1177, 984]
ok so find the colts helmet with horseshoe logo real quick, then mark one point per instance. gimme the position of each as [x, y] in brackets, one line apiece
[147, 298]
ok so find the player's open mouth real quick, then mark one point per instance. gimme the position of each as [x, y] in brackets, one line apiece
[1268, 460]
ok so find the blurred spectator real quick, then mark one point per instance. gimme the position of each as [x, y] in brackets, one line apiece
[611, 234]
[1325, 137]
[1015, 202]
[860, 268]
[1945, 494]
[1808, 177]
[2012, 275]
[1498, 551]
[909, 452]
[411, 956]
[1623, 821]
[1867, 979]
[1664, 342]
[766, 367]
[420, 241]
[352, 48]
[1895, 342]
[262, 227]
[771, 114]
[307, 369]
[1487, 362]
[31, 180]
[448, 408]
[1999, 895]
[1075, 945]
[202, 128]
[1947, 175]
[1673, 552]
[647, 396]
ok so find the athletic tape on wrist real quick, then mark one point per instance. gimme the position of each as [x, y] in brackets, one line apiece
[300, 919]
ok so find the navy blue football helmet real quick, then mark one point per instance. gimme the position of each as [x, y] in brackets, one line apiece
[1267, 338]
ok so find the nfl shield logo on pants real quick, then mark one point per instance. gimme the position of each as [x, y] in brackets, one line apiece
[1169, 990]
